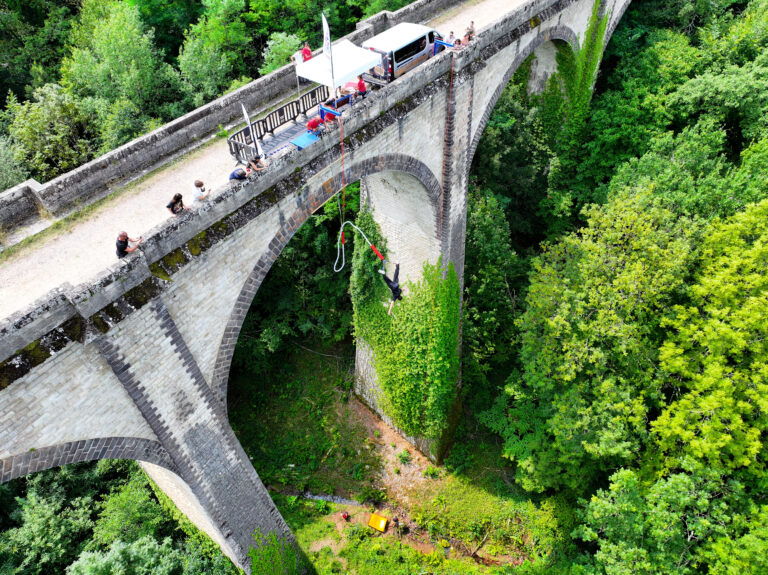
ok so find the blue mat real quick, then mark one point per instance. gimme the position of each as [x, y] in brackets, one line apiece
[304, 140]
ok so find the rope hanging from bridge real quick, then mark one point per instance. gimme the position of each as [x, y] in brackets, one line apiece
[340, 246]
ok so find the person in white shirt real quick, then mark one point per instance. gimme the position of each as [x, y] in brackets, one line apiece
[200, 195]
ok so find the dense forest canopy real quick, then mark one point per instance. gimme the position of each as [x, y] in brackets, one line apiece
[613, 314]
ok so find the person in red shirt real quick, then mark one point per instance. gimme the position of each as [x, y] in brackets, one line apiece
[306, 52]
[314, 125]
[361, 87]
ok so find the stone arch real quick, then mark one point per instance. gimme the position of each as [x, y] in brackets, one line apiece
[137, 448]
[552, 34]
[311, 198]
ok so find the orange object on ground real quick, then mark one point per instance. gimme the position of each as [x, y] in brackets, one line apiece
[378, 522]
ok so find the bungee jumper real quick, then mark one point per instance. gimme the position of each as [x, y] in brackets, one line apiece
[393, 285]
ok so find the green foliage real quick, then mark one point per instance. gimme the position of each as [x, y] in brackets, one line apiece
[432, 472]
[590, 336]
[114, 58]
[511, 161]
[32, 43]
[294, 424]
[565, 113]
[280, 47]
[661, 529]
[144, 556]
[213, 50]
[128, 514]
[51, 535]
[714, 360]
[12, 171]
[169, 19]
[492, 278]
[301, 296]
[272, 556]
[416, 349]
[404, 457]
[52, 133]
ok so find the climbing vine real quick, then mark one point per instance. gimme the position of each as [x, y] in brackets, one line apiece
[565, 109]
[416, 349]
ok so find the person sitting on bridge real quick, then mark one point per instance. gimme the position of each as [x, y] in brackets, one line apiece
[315, 125]
[176, 205]
[393, 285]
[126, 245]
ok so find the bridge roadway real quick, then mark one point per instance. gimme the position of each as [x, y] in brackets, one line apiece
[83, 249]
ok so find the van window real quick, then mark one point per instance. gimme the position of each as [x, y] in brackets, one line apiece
[410, 50]
[431, 37]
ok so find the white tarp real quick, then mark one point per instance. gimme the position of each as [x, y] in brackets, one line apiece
[349, 61]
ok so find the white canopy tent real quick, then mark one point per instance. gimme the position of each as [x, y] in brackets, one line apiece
[349, 61]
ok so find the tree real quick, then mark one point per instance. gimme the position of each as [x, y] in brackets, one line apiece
[590, 336]
[512, 161]
[52, 133]
[169, 19]
[714, 360]
[129, 514]
[663, 529]
[114, 58]
[492, 278]
[142, 557]
[52, 533]
[33, 43]
[280, 47]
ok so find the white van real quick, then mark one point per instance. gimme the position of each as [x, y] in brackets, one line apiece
[402, 48]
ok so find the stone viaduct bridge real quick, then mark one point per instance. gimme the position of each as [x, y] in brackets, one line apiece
[135, 363]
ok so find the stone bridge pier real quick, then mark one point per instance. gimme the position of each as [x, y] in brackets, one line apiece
[135, 363]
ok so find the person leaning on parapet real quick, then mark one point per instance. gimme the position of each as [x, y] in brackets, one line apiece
[200, 193]
[471, 30]
[451, 38]
[176, 205]
[238, 174]
[126, 245]
[256, 164]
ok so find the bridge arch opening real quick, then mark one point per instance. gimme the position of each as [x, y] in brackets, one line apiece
[404, 197]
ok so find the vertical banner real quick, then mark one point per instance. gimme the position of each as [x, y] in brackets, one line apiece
[328, 54]
[254, 139]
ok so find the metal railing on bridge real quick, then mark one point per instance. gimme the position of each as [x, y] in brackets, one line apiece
[241, 144]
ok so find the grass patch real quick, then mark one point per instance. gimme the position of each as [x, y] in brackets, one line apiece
[296, 427]
[482, 508]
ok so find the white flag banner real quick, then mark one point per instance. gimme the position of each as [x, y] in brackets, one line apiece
[254, 139]
[327, 44]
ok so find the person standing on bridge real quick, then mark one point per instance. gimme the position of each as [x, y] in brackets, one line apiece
[306, 52]
[126, 245]
[393, 285]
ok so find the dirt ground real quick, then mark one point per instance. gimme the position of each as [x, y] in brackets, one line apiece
[80, 253]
